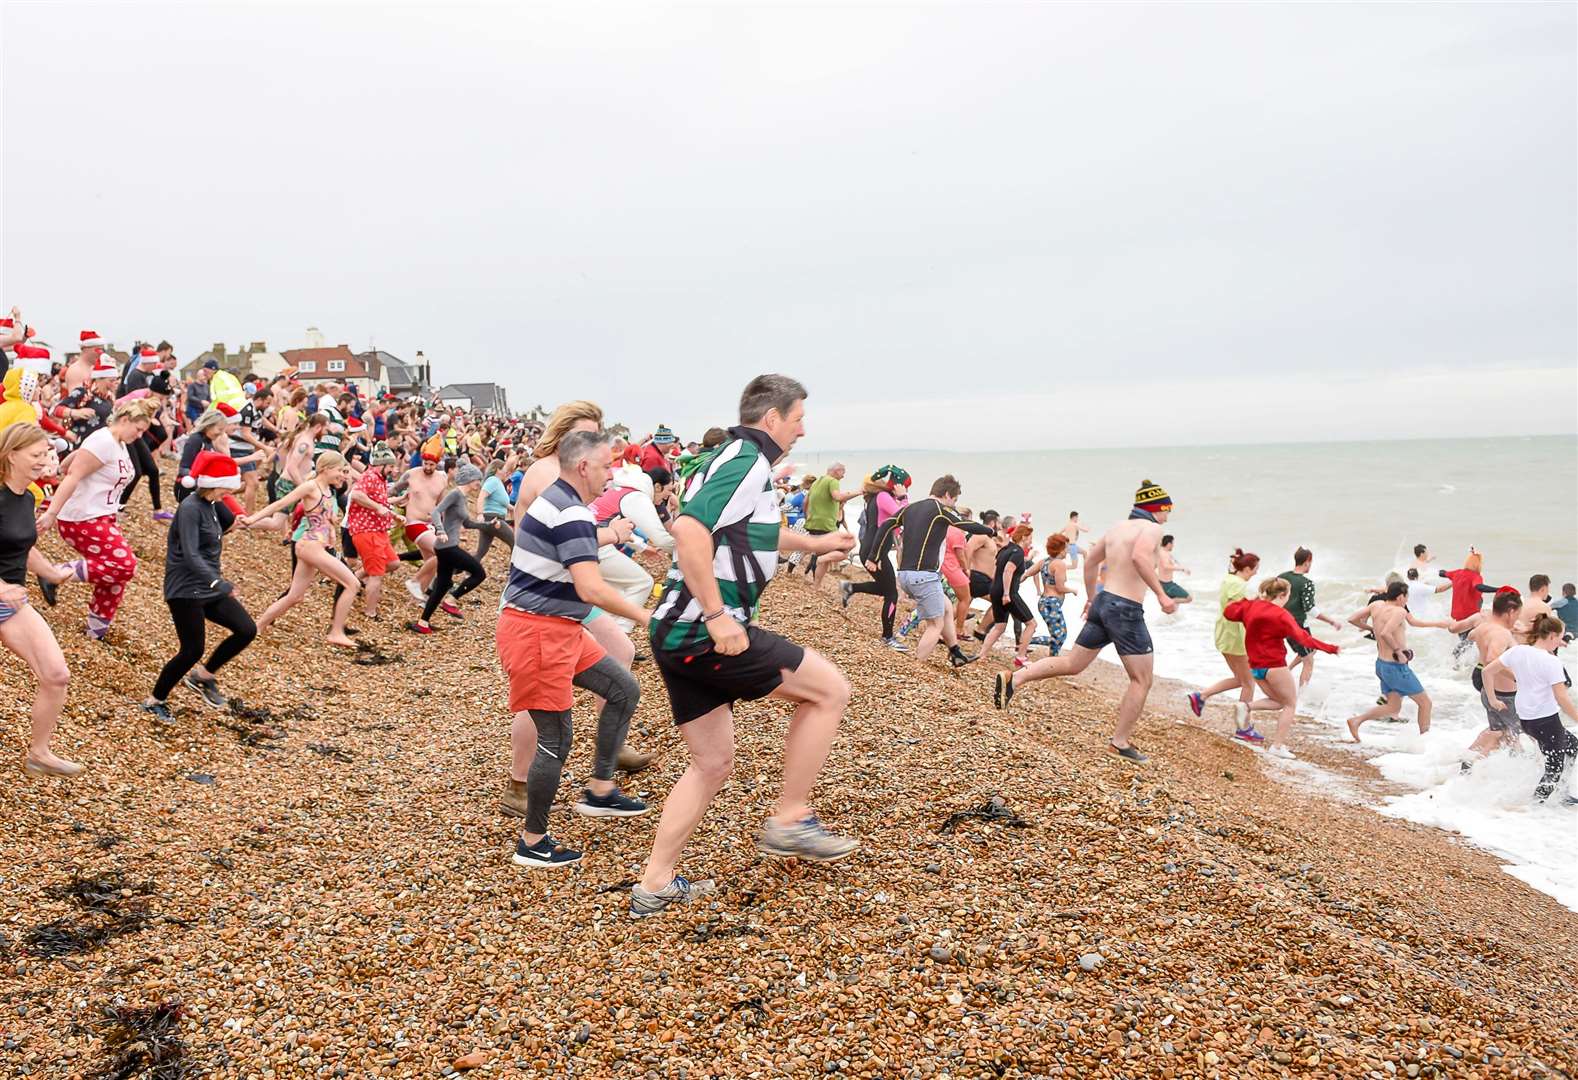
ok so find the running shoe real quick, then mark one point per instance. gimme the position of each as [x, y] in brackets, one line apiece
[1249, 735]
[1003, 690]
[1196, 704]
[805, 839]
[845, 590]
[679, 891]
[449, 607]
[1129, 753]
[614, 804]
[909, 627]
[163, 517]
[418, 628]
[958, 658]
[415, 590]
[160, 713]
[895, 644]
[545, 854]
[208, 690]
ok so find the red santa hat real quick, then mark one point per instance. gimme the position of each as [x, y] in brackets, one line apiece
[228, 410]
[149, 355]
[104, 368]
[9, 324]
[355, 425]
[90, 338]
[32, 350]
[211, 470]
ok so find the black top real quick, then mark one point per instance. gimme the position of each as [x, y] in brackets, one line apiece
[84, 398]
[195, 444]
[925, 526]
[191, 564]
[18, 534]
[1011, 553]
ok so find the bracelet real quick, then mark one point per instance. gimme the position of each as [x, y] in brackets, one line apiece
[708, 618]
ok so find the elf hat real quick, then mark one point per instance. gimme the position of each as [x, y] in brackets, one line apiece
[211, 470]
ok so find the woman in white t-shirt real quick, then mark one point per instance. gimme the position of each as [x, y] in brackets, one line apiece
[85, 505]
[1542, 690]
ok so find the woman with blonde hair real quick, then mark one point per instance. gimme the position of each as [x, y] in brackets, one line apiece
[24, 457]
[1229, 639]
[313, 536]
[85, 505]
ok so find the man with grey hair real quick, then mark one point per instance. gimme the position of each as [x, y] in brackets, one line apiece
[824, 512]
[711, 653]
[546, 652]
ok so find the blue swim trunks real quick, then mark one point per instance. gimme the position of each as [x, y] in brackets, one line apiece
[1397, 678]
[1259, 672]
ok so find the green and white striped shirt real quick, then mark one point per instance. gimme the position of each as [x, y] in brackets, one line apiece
[733, 496]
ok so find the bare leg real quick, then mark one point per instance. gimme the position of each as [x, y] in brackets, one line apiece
[1140, 673]
[1284, 697]
[1074, 661]
[1394, 705]
[823, 694]
[29, 637]
[931, 630]
[710, 740]
[425, 544]
[1022, 651]
[991, 637]
[300, 581]
[375, 592]
[317, 559]
[1423, 701]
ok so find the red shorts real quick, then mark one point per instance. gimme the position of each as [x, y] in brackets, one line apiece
[376, 552]
[415, 529]
[542, 656]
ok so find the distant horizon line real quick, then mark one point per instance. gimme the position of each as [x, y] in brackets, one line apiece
[1193, 446]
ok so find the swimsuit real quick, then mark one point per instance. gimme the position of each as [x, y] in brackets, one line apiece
[1051, 608]
[316, 524]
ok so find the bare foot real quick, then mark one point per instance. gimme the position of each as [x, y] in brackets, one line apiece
[340, 641]
[1353, 729]
[50, 764]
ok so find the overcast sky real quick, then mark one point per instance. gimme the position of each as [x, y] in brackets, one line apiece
[969, 225]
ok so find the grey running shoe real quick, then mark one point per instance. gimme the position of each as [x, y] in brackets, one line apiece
[208, 691]
[895, 644]
[805, 839]
[160, 713]
[1129, 753]
[844, 590]
[679, 891]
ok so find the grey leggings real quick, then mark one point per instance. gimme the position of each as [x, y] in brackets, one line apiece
[609, 680]
[494, 528]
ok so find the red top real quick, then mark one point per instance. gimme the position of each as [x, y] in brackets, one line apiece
[606, 506]
[652, 458]
[1266, 626]
[359, 519]
[1466, 597]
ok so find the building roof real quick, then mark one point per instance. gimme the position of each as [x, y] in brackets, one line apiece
[487, 396]
[355, 367]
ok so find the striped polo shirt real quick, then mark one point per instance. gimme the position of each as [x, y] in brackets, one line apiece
[555, 532]
[732, 494]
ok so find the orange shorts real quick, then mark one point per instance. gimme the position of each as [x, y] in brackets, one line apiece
[376, 552]
[542, 656]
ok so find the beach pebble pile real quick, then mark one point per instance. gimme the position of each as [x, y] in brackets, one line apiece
[318, 884]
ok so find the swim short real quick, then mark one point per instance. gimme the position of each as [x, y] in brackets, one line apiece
[980, 585]
[415, 529]
[699, 684]
[1507, 719]
[1175, 590]
[542, 656]
[1397, 679]
[1118, 621]
[377, 553]
[1258, 672]
[6, 611]
[925, 588]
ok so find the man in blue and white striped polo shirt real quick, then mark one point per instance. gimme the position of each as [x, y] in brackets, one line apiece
[546, 652]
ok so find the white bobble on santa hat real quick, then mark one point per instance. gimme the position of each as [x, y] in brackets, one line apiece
[211, 470]
[90, 338]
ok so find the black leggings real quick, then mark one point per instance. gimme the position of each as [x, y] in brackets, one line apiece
[494, 528]
[451, 559]
[1558, 746]
[619, 690]
[883, 583]
[191, 618]
[146, 465]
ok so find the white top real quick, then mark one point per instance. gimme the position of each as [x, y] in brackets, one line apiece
[1422, 598]
[1536, 671]
[99, 493]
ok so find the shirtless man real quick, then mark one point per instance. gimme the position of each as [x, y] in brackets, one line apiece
[1422, 560]
[1072, 531]
[1536, 602]
[80, 371]
[1166, 567]
[422, 489]
[980, 559]
[1388, 619]
[1116, 616]
[1492, 637]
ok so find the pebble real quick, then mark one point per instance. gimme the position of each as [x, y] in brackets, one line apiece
[1090, 961]
[941, 955]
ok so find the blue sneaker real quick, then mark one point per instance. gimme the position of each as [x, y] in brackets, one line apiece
[805, 839]
[614, 804]
[1249, 735]
[1196, 704]
[545, 854]
[679, 891]
[909, 627]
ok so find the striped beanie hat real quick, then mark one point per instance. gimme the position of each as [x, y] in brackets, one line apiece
[1152, 497]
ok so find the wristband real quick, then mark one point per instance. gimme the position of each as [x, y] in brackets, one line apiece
[708, 618]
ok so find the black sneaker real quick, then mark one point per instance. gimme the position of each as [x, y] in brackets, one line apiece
[1003, 689]
[545, 854]
[209, 691]
[1128, 753]
[845, 590]
[614, 804]
[957, 657]
[160, 713]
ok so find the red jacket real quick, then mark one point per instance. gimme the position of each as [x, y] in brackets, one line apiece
[1467, 597]
[1266, 626]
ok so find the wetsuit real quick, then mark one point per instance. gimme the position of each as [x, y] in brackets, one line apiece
[875, 542]
[1010, 603]
[925, 526]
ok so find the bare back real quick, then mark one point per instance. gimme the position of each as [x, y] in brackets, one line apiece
[1117, 549]
[1492, 639]
[537, 479]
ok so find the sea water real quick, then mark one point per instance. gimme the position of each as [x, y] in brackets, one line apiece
[1361, 507]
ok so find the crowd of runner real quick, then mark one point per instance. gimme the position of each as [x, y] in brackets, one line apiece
[353, 487]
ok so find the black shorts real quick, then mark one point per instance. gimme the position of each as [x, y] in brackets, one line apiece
[1298, 648]
[698, 684]
[1015, 608]
[1118, 621]
[980, 585]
